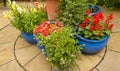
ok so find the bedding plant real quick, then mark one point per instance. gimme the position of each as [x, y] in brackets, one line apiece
[95, 27]
[59, 45]
[25, 19]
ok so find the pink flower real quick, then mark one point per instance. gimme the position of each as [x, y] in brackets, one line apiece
[44, 23]
[36, 4]
[59, 24]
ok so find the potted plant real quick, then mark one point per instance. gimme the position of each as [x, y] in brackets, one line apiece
[60, 48]
[71, 12]
[45, 29]
[94, 32]
[26, 19]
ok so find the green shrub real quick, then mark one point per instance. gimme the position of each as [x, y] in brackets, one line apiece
[109, 3]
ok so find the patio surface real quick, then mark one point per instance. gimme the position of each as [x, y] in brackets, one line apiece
[18, 55]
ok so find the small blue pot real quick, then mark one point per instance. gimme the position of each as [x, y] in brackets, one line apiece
[28, 37]
[42, 48]
[92, 46]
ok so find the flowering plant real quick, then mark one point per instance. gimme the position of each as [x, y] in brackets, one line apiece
[25, 19]
[94, 27]
[46, 28]
[59, 43]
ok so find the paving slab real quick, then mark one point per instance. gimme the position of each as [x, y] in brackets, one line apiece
[6, 53]
[111, 62]
[3, 22]
[39, 64]
[12, 66]
[26, 54]
[22, 43]
[88, 62]
[8, 34]
[114, 42]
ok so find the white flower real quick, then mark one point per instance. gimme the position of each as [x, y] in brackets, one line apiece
[46, 58]
[19, 9]
[13, 3]
[42, 50]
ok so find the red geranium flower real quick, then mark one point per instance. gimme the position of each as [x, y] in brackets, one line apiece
[44, 32]
[91, 28]
[101, 16]
[110, 17]
[88, 12]
[110, 27]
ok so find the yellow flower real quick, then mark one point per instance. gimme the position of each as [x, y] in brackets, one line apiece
[24, 10]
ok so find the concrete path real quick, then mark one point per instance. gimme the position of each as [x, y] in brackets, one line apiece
[18, 55]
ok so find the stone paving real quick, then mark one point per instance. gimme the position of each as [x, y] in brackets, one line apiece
[18, 55]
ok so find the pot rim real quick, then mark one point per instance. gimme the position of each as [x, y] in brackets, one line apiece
[88, 40]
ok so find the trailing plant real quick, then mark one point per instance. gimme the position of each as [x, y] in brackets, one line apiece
[25, 19]
[71, 11]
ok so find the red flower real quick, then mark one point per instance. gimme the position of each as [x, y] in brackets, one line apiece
[36, 4]
[44, 23]
[91, 28]
[88, 12]
[110, 17]
[44, 32]
[110, 27]
[101, 15]
[86, 21]
[54, 28]
[36, 31]
[96, 19]
[98, 27]
[39, 27]
[106, 21]
[59, 24]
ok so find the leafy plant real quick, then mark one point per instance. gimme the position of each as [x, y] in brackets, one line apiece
[109, 3]
[94, 27]
[60, 47]
[25, 19]
[71, 11]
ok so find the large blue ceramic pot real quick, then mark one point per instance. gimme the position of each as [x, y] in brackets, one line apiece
[92, 46]
[28, 37]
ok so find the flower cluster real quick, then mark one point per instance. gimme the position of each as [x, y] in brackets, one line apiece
[95, 27]
[25, 19]
[46, 28]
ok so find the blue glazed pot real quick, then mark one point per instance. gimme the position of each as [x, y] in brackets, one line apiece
[42, 48]
[95, 7]
[28, 37]
[92, 46]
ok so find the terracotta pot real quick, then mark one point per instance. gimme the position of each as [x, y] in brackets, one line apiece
[52, 8]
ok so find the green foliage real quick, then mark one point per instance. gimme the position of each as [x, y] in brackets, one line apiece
[25, 19]
[60, 48]
[71, 11]
[109, 3]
